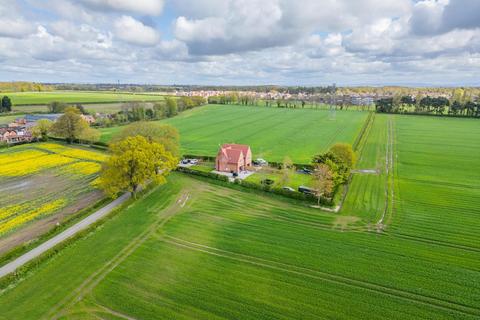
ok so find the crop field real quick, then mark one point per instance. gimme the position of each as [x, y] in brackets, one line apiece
[272, 133]
[41, 180]
[39, 98]
[404, 245]
[192, 250]
[437, 181]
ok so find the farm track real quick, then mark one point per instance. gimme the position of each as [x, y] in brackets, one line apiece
[325, 276]
[389, 174]
[61, 309]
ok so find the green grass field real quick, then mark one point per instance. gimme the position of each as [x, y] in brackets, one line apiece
[35, 98]
[194, 250]
[191, 250]
[437, 180]
[272, 133]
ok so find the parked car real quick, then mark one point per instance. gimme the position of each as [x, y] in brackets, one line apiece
[193, 161]
[261, 162]
[267, 182]
[305, 171]
[306, 190]
[185, 161]
[288, 189]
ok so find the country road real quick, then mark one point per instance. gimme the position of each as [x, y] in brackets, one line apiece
[49, 244]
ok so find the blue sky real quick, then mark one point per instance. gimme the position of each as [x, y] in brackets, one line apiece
[224, 42]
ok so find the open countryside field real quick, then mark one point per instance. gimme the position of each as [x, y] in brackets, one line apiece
[192, 250]
[42, 184]
[42, 98]
[272, 133]
[437, 193]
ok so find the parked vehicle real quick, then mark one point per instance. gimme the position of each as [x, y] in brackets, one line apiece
[288, 189]
[193, 161]
[185, 161]
[267, 182]
[260, 162]
[306, 190]
[305, 171]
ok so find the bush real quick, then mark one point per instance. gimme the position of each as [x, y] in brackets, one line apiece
[203, 174]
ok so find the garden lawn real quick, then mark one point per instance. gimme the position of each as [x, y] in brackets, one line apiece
[191, 250]
[296, 179]
[272, 133]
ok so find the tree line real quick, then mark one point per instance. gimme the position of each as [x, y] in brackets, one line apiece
[134, 111]
[458, 105]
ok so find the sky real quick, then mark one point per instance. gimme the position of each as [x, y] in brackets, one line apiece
[242, 42]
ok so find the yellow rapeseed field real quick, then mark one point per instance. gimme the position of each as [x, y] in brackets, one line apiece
[32, 165]
[83, 167]
[21, 219]
[9, 211]
[15, 157]
[49, 155]
[73, 152]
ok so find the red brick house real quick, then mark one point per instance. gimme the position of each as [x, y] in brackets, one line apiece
[15, 135]
[233, 158]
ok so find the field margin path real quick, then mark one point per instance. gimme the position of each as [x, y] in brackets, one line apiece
[68, 233]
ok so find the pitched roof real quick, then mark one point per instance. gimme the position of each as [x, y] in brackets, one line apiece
[232, 155]
[243, 147]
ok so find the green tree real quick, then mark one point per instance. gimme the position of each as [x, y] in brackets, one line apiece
[286, 172]
[70, 125]
[160, 110]
[134, 162]
[6, 105]
[163, 134]
[89, 135]
[171, 107]
[56, 107]
[41, 129]
[323, 181]
[345, 153]
[187, 103]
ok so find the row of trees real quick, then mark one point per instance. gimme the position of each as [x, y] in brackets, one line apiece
[134, 111]
[429, 105]
[6, 104]
[22, 86]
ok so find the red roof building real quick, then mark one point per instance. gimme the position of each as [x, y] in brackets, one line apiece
[233, 158]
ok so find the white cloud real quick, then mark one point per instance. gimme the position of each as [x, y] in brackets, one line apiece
[133, 31]
[242, 41]
[146, 7]
[17, 28]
